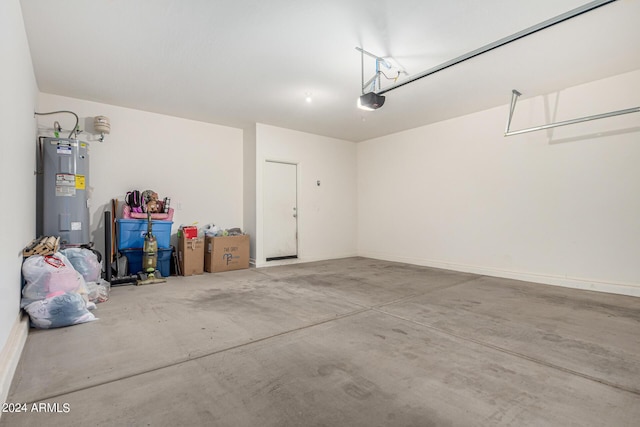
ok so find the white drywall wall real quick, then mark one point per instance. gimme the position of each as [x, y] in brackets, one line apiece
[198, 165]
[18, 97]
[326, 213]
[249, 182]
[560, 206]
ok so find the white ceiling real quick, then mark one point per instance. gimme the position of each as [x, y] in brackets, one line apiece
[240, 62]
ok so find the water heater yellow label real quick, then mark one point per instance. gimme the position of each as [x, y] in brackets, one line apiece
[80, 182]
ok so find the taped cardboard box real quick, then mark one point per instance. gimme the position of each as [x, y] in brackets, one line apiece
[191, 255]
[226, 253]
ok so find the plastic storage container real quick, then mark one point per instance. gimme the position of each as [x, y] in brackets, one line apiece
[134, 259]
[131, 233]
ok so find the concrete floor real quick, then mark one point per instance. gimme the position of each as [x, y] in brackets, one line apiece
[351, 342]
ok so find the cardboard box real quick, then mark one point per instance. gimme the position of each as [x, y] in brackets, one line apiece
[226, 253]
[191, 255]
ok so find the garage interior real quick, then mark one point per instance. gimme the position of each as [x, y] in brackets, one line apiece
[443, 274]
[353, 341]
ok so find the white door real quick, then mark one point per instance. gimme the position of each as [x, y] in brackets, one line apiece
[280, 225]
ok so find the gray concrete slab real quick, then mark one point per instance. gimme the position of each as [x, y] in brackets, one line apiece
[342, 342]
[367, 282]
[368, 369]
[591, 333]
[148, 327]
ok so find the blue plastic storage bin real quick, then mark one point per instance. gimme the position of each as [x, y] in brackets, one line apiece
[131, 233]
[134, 259]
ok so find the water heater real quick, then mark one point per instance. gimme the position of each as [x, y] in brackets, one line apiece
[64, 193]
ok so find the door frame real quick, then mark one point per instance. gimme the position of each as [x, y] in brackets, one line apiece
[294, 258]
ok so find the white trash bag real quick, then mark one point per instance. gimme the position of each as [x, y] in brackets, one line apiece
[48, 276]
[98, 291]
[55, 294]
[85, 261]
[61, 310]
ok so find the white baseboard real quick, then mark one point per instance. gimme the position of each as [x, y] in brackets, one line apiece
[567, 282]
[10, 354]
[301, 259]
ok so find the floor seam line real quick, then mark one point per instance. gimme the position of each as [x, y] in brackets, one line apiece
[513, 353]
[202, 356]
[407, 297]
[402, 299]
